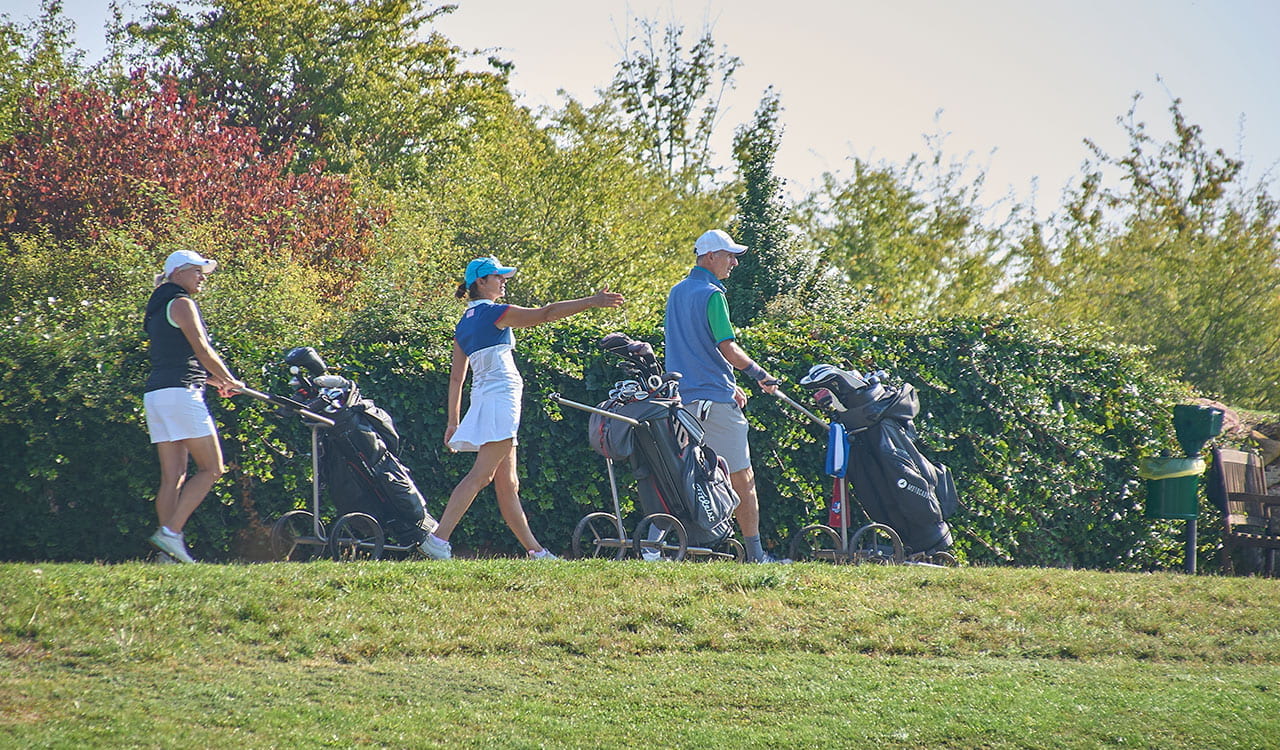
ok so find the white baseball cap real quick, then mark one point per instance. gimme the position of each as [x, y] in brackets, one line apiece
[717, 239]
[180, 258]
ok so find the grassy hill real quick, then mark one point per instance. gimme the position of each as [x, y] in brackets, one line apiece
[512, 653]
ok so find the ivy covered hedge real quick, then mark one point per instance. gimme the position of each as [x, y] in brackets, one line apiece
[1043, 430]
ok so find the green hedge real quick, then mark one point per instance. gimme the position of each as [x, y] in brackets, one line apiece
[1043, 431]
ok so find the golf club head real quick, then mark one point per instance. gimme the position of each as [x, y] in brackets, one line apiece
[827, 376]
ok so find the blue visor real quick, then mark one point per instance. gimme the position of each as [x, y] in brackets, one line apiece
[482, 267]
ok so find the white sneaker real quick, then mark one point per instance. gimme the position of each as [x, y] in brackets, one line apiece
[436, 548]
[542, 554]
[769, 559]
[172, 546]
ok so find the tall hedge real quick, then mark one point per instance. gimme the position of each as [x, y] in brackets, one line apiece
[1043, 430]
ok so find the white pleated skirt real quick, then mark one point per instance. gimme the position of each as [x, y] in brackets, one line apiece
[494, 411]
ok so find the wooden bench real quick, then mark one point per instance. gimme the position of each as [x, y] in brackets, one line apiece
[1251, 517]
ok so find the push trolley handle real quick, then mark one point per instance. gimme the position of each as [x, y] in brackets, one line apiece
[556, 397]
[289, 403]
[787, 399]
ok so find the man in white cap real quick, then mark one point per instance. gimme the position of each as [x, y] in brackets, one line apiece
[702, 346]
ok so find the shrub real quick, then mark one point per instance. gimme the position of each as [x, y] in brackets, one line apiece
[88, 160]
[1043, 431]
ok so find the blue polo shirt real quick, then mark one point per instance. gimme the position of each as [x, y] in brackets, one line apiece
[693, 335]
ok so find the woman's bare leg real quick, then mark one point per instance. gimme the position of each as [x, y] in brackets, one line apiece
[506, 483]
[207, 453]
[173, 473]
[488, 459]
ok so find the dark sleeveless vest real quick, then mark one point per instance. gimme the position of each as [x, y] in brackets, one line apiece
[173, 361]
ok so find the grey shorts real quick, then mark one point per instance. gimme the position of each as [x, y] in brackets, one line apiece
[726, 432]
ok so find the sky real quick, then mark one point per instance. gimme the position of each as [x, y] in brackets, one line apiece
[1014, 86]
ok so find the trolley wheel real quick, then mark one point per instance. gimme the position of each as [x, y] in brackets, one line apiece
[599, 535]
[816, 542]
[293, 537]
[735, 550]
[730, 550]
[357, 536]
[945, 559]
[671, 542]
[876, 543]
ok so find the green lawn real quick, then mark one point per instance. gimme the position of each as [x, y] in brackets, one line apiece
[513, 653]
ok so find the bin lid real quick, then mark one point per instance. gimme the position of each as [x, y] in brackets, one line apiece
[1195, 425]
[1170, 468]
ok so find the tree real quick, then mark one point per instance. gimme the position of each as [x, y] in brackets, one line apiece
[565, 203]
[341, 81]
[1180, 258]
[673, 101]
[39, 54]
[88, 159]
[772, 267]
[914, 236]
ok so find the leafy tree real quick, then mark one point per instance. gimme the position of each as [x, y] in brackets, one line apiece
[40, 53]
[1179, 258]
[914, 236]
[88, 159]
[568, 205]
[673, 100]
[772, 267]
[342, 81]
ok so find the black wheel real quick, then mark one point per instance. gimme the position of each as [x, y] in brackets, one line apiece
[876, 543]
[670, 541]
[735, 551]
[293, 537]
[816, 542]
[945, 559]
[600, 535]
[357, 536]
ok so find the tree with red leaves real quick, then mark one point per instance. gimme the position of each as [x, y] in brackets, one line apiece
[88, 159]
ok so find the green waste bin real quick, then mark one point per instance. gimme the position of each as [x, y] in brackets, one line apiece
[1172, 486]
[1195, 425]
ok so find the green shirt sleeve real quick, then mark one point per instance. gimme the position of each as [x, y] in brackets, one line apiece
[718, 317]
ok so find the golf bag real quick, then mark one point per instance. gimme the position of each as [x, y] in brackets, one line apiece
[676, 474]
[893, 481]
[358, 462]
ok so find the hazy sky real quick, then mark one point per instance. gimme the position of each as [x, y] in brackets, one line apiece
[1018, 84]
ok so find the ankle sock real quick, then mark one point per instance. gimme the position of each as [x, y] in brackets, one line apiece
[755, 550]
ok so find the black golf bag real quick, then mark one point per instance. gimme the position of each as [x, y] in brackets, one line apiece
[358, 462]
[893, 481]
[676, 474]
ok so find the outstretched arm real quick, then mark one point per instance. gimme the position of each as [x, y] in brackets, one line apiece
[524, 317]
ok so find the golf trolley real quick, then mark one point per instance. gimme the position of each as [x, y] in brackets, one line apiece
[683, 486]
[352, 447]
[874, 542]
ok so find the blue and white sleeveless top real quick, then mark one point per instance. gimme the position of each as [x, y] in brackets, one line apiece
[496, 385]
